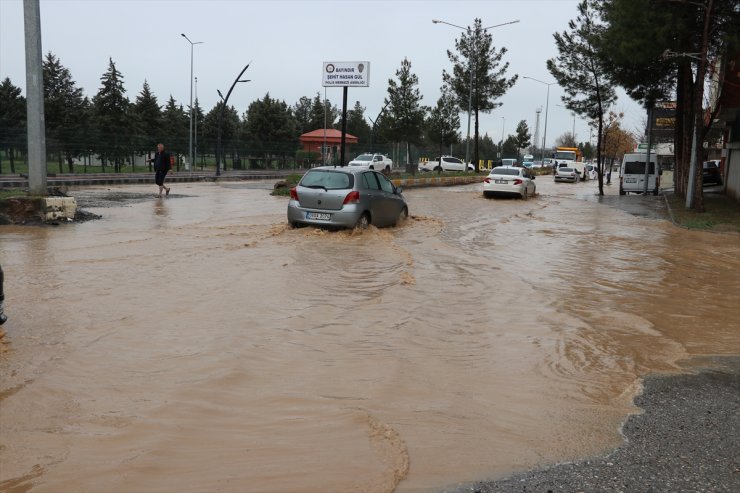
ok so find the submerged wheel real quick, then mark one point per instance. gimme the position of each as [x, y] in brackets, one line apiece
[363, 222]
[525, 195]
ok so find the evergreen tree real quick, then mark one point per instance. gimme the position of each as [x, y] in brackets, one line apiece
[62, 112]
[175, 128]
[489, 80]
[148, 120]
[405, 112]
[302, 113]
[318, 108]
[444, 121]
[271, 127]
[579, 70]
[112, 118]
[357, 124]
[12, 121]
[522, 137]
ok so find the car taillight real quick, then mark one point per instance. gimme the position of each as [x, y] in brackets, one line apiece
[294, 193]
[487, 180]
[352, 198]
[517, 182]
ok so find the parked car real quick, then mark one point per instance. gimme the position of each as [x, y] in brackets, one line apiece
[447, 163]
[345, 198]
[509, 162]
[378, 162]
[509, 180]
[567, 174]
[711, 172]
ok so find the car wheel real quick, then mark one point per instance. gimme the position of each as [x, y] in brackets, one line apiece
[364, 221]
[487, 195]
[437, 168]
[525, 194]
[404, 215]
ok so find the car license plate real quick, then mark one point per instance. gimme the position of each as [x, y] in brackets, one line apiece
[501, 182]
[321, 216]
[631, 180]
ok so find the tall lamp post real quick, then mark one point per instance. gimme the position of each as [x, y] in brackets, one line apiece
[195, 127]
[503, 123]
[225, 100]
[547, 107]
[471, 67]
[192, 44]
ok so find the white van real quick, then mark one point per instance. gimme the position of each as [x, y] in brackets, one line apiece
[632, 174]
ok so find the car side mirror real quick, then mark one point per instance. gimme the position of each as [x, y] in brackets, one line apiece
[398, 190]
[533, 177]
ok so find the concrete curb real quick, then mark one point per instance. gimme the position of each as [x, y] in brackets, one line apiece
[438, 181]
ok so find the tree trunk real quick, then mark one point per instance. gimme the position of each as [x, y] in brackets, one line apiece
[61, 162]
[600, 165]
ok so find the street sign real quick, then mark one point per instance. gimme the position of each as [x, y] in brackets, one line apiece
[346, 74]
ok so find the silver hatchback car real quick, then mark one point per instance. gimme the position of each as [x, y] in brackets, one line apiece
[345, 198]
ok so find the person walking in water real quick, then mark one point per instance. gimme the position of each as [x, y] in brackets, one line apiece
[161, 162]
[3, 318]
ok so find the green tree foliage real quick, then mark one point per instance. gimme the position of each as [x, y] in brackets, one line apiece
[63, 104]
[357, 124]
[12, 121]
[510, 149]
[646, 54]
[271, 127]
[302, 114]
[175, 128]
[405, 113]
[490, 83]
[523, 137]
[444, 120]
[319, 108]
[112, 118]
[148, 120]
[580, 72]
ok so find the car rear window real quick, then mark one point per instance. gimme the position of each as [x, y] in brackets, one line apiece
[637, 168]
[566, 170]
[710, 164]
[331, 180]
[505, 171]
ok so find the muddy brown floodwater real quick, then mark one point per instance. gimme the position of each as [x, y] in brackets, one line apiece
[197, 344]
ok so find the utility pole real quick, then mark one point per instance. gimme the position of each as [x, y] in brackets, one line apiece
[34, 99]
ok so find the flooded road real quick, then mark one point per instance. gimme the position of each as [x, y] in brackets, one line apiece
[197, 344]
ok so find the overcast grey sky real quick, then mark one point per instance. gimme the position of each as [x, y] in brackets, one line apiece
[287, 41]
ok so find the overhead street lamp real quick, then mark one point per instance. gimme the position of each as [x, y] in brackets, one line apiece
[192, 44]
[225, 100]
[471, 68]
[547, 107]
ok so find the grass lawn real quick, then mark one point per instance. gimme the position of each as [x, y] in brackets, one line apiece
[721, 213]
[12, 192]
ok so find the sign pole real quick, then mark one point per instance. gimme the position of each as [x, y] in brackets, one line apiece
[344, 124]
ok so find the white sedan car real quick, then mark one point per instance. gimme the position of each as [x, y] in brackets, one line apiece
[448, 163]
[511, 181]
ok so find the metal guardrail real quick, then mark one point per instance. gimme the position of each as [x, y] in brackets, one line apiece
[55, 180]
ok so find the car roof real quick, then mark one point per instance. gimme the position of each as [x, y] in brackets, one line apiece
[342, 169]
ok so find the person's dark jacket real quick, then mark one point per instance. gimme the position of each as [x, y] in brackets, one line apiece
[161, 161]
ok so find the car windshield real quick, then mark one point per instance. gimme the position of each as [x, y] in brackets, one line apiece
[364, 157]
[505, 171]
[452, 160]
[566, 170]
[637, 168]
[567, 155]
[327, 179]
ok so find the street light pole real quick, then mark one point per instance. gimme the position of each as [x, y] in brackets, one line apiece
[547, 108]
[471, 67]
[503, 122]
[195, 126]
[225, 100]
[192, 44]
